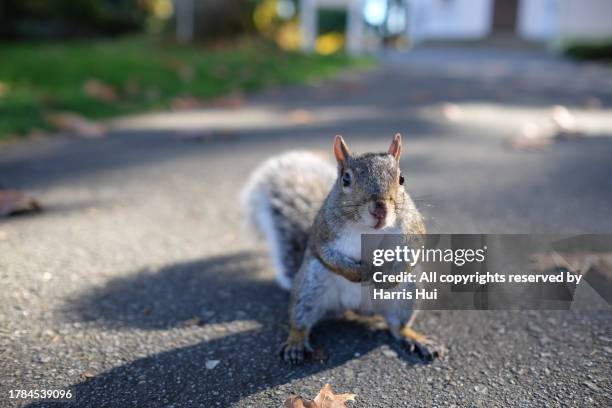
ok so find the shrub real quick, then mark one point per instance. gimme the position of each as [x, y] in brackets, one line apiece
[589, 50]
[36, 19]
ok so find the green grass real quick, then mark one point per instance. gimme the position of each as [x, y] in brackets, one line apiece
[39, 79]
[588, 49]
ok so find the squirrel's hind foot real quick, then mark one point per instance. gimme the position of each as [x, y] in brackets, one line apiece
[425, 347]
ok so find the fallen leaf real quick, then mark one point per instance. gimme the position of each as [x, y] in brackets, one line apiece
[232, 101]
[327, 399]
[4, 88]
[76, 124]
[87, 374]
[324, 399]
[185, 103]
[99, 90]
[300, 117]
[295, 401]
[196, 321]
[14, 202]
[37, 134]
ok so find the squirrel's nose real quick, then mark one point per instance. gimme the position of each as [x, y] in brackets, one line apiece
[378, 209]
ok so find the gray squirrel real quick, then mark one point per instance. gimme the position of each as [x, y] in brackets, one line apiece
[312, 216]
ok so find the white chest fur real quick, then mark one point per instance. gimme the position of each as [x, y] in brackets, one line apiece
[348, 293]
[349, 239]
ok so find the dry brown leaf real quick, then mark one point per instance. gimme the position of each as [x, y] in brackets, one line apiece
[185, 103]
[196, 321]
[327, 399]
[76, 124]
[87, 374]
[295, 401]
[99, 90]
[14, 202]
[4, 88]
[580, 262]
[231, 101]
[324, 399]
[37, 134]
[300, 117]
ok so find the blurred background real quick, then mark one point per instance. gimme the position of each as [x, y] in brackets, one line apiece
[127, 130]
[96, 59]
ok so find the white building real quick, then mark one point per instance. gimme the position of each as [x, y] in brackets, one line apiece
[538, 20]
[529, 19]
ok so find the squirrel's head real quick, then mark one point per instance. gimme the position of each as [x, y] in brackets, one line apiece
[369, 187]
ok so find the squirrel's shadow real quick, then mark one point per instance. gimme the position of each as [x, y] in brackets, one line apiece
[215, 290]
[231, 288]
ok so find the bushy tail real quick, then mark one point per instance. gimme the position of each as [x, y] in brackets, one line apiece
[281, 199]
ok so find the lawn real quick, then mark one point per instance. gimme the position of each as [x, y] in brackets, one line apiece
[102, 79]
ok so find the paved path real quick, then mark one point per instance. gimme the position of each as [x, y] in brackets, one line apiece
[142, 234]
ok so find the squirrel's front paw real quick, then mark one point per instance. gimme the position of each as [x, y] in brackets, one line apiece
[294, 353]
[296, 346]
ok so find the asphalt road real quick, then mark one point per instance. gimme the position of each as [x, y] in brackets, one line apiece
[137, 285]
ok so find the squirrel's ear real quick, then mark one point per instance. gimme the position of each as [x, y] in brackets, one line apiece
[341, 150]
[395, 149]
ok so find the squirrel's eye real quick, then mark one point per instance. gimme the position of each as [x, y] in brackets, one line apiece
[401, 180]
[346, 179]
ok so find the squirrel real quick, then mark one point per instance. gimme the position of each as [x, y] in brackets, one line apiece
[312, 216]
